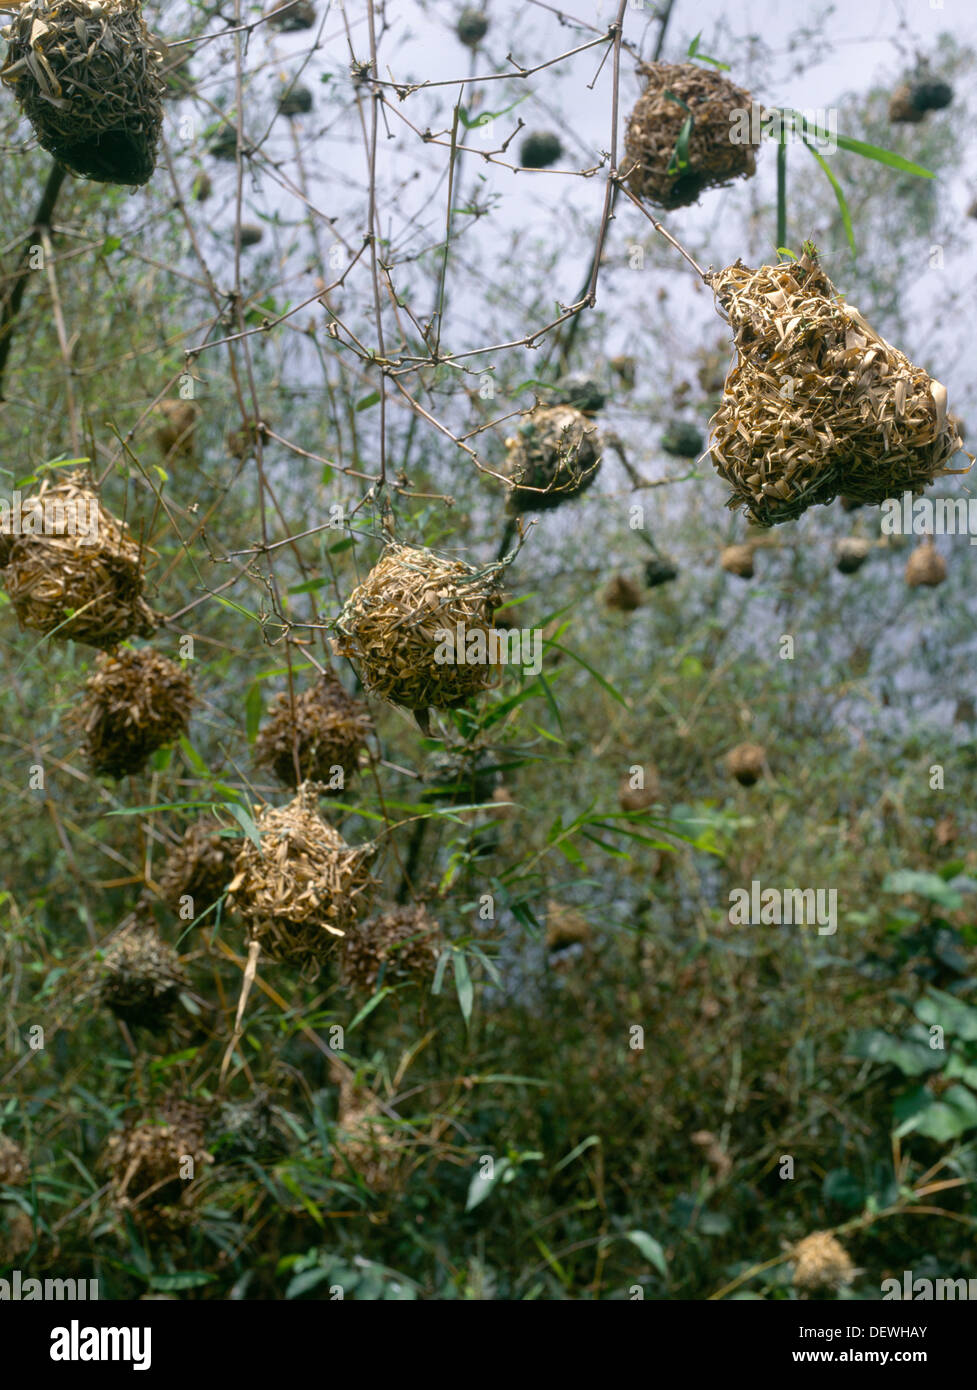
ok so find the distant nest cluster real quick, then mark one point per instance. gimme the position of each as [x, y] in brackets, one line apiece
[89, 78]
[82, 575]
[393, 627]
[399, 945]
[305, 887]
[680, 136]
[135, 702]
[552, 457]
[321, 732]
[817, 403]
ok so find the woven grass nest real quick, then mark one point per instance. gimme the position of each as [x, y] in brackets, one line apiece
[139, 977]
[14, 1165]
[540, 149]
[398, 945]
[713, 159]
[857, 417]
[305, 887]
[145, 1163]
[822, 1264]
[366, 1141]
[294, 101]
[851, 552]
[176, 428]
[198, 869]
[85, 580]
[461, 777]
[135, 702]
[89, 77]
[747, 762]
[552, 458]
[622, 594]
[660, 570]
[324, 728]
[925, 567]
[565, 926]
[738, 560]
[252, 1128]
[635, 798]
[472, 27]
[389, 627]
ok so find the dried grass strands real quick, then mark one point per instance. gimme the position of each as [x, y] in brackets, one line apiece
[817, 403]
[149, 1172]
[134, 703]
[401, 944]
[89, 77]
[139, 976]
[85, 579]
[553, 457]
[674, 92]
[392, 627]
[324, 726]
[304, 887]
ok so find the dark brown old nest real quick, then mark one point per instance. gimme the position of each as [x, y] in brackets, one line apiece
[135, 702]
[243, 442]
[623, 594]
[565, 926]
[461, 777]
[660, 570]
[81, 574]
[197, 870]
[252, 1128]
[747, 762]
[89, 77]
[396, 628]
[322, 732]
[14, 1165]
[305, 887]
[851, 552]
[817, 403]
[294, 101]
[680, 137]
[139, 977]
[553, 457]
[176, 427]
[155, 1168]
[925, 567]
[399, 945]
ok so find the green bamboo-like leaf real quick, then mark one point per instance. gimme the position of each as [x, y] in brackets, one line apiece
[839, 194]
[596, 674]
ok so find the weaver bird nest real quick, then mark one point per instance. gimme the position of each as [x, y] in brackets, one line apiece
[81, 574]
[817, 403]
[304, 887]
[366, 1141]
[682, 440]
[565, 926]
[134, 703]
[660, 570]
[821, 1264]
[925, 567]
[89, 77]
[394, 628]
[746, 762]
[176, 427]
[139, 977]
[553, 457]
[294, 101]
[291, 16]
[14, 1166]
[197, 870]
[540, 149]
[582, 392]
[323, 730]
[472, 27]
[399, 945]
[154, 1169]
[639, 789]
[738, 560]
[623, 594]
[680, 137]
[461, 777]
[251, 1128]
[851, 552]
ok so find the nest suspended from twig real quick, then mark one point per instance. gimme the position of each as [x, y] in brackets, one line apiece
[139, 977]
[902, 109]
[565, 926]
[472, 27]
[638, 793]
[746, 762]
[294, 101]
[821, 1264]
[367, 1142]
[154, 1169]
[304, 887]
[176, 427]
[553, 457]
[851, 552]
[89, 77]
[622, 594]
[324, 729]
[682, 440]
[925, 567]
[134, 703]
[14, 1165]
[401, 944]
[582, 392]
[660, 570]
[540, 149]
[680, 137]
[817, 403]
[395, 626]
[81, 575]
[738, 560]
[243, 442]
[198, 869]
[250, 234]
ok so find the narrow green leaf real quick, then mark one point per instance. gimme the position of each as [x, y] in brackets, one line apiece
[839, 194]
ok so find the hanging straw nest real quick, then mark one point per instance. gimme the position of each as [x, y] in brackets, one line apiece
[746, 762]
[931, 94]
[176, 428]
[582, 392]
[139, 977]
[738, 560]
[84, 577]
[392, 627]
[88, 76]
[925, 567]
[134, 703]
[851, 552]
[323, 728]
[623, 594]
[461, 777]
[14, 1165]
[250, 234]
[243, 442]
[639, 798]
[660, 570]
[625, 368]
[198, 869]
[252, 1128]
[401, 944]
[472, 27]
[203, 187]
[540, 149]
[147, 1162]
[554, 457]
[366, 1141]
[821, 1264]
[304, 887]
[817, 403]
[565, 926]
[659, 170]
[682, 440]
[291, 16]
[294, 101]
[902, 109]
